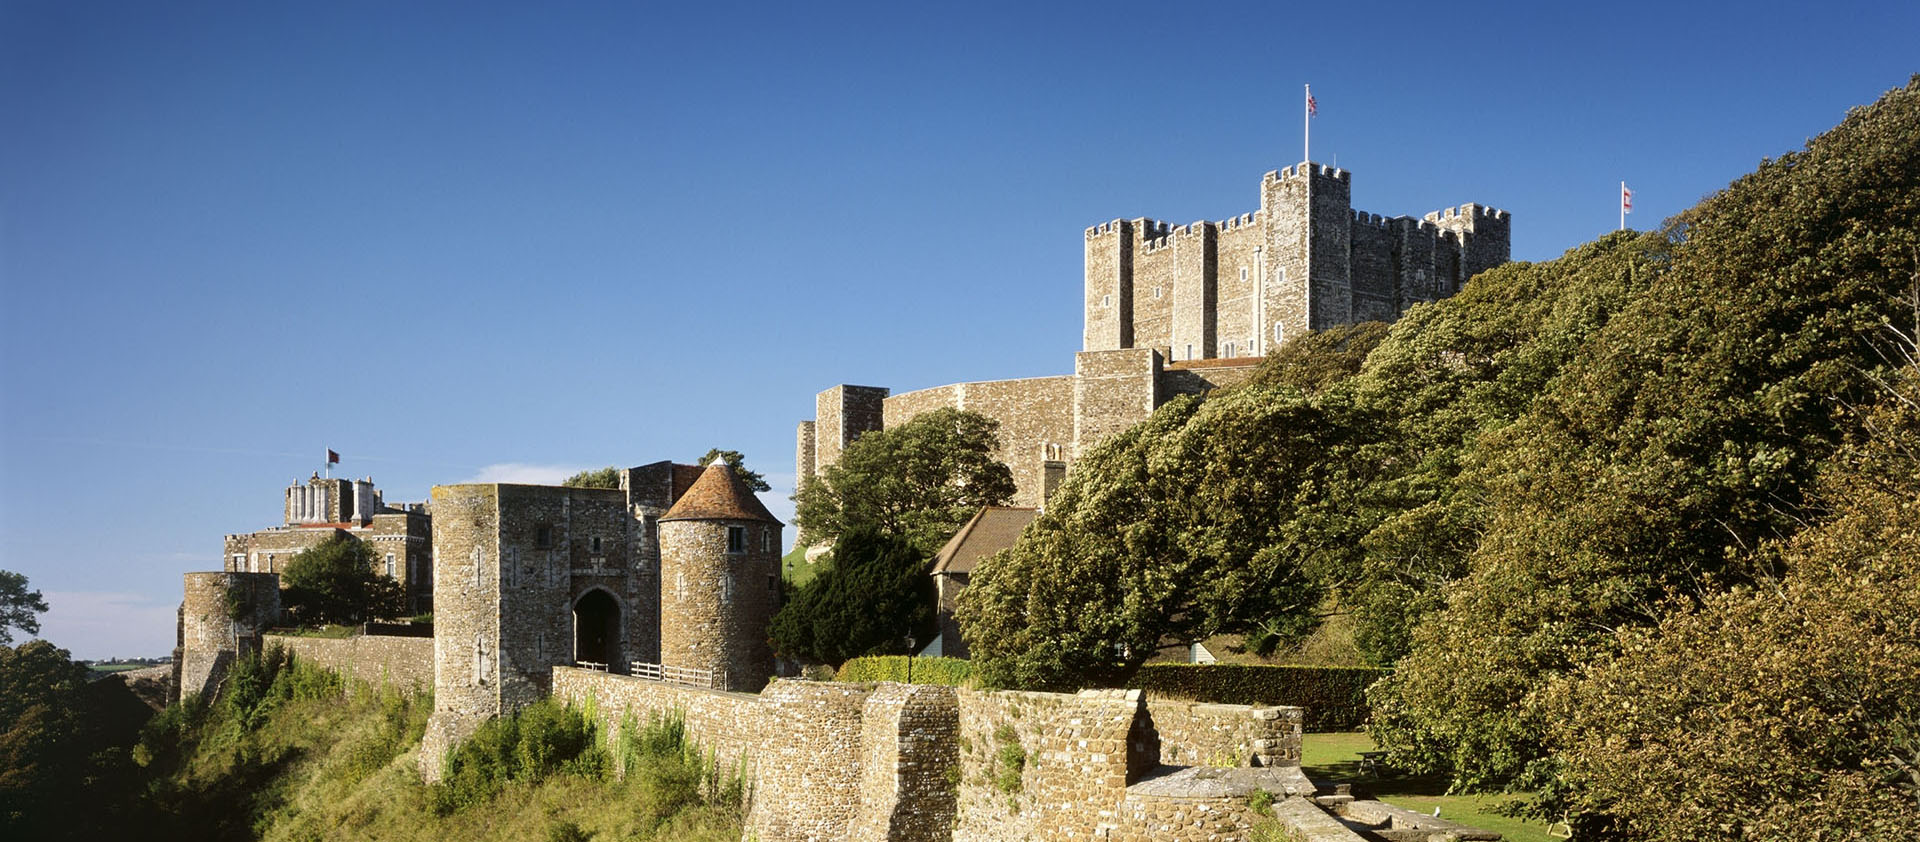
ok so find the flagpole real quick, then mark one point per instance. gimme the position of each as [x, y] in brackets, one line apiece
[1306, 121]
[1623, 206]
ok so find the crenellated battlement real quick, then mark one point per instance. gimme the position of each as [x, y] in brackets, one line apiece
[1237, 222]
[1308, 168]
[1175, 234]
[1469, 211]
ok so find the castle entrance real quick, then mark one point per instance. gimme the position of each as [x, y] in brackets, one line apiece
[596, 631]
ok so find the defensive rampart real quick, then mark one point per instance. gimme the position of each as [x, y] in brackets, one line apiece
[872, 762]
[404, 663]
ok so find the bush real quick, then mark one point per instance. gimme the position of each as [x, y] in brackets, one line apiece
[952, 672]
[1334, 697]
[543, 739]
[670, 774]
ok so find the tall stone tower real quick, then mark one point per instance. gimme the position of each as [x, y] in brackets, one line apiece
[719, 581]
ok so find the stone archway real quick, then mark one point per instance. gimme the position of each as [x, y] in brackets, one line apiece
[596, 630]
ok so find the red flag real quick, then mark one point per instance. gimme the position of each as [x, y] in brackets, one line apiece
[1626, 199]
[333, 458]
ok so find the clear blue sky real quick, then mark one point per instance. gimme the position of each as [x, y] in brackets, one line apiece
[454, 242]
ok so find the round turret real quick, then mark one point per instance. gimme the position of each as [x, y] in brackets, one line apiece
[719, 582]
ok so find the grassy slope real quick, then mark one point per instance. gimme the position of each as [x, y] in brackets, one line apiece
[1335, 758]
[345, 769]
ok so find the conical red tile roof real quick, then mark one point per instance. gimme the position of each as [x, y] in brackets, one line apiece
[719, 495]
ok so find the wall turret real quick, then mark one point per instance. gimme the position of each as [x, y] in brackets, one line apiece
[719, 581]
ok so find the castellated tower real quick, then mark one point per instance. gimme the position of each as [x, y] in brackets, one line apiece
[719, 582]
[1304, 261]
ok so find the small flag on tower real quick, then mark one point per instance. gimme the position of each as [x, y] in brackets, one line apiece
[1626, 198]
[1313, 105]
[333, 458]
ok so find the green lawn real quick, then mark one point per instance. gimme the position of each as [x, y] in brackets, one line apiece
[113, 668]
[1335, 758]
[795, 568]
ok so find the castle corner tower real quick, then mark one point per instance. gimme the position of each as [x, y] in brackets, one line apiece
[719, 581]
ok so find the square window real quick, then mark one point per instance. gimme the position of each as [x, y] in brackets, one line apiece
[736, 539]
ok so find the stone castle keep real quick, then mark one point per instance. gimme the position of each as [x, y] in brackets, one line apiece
[1174, 310]
[654, 598]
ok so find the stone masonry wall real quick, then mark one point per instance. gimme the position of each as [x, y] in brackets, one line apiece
[1197, 734]
[1075, 773]
[1036, 423]
[731, 725]
[221, 618]
[715, 606]
[1112, 390]
[405, 663]
[466, 620]
[908, 771]
[871, 762]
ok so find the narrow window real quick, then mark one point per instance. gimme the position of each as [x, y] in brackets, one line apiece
[1106, 301]
[1156, 292]
[596, 545]
[1279, 334]
[543, 537]
[726, 587]
[1189, 352]
[1243, 273]
[390, 567]
[736, 539]
[766, 540]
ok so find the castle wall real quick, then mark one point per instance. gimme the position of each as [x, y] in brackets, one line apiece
[805, 461]
[1376, 285]
[718, 605]
[1241, 258]
[873, 762]
[1112, 390]
[1158, 264]
[1109, 284]
[404, 663]
[221, 618]
[841, 414]
[1198, 734]
[466, 619]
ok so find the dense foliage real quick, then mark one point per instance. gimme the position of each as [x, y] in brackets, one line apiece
[919, 481]
[953, 672]
[871, 595]
[1542, 499]
[607, 477]
[1335, 698]
[754, 480]
[19, 608]
[335, 582]
[64, 771]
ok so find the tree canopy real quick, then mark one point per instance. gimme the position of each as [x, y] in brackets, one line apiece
[607, 477]
[335, 582]
[873, 593]
[754, 480]
[19, 608]
[918, 481]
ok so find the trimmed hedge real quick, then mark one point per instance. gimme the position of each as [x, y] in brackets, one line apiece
[949, 671]
[1335, 698]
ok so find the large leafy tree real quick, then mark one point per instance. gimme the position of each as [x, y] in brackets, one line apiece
[334, 582]
[873, 594]
[1205, 519]
[1681, 435]
[19, 608]
[63, 774]
[1786, 711]
[918, 481]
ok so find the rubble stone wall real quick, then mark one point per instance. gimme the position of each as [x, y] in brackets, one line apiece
[405, 663]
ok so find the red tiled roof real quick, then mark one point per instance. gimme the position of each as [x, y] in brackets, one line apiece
[718, 495]
[991, 530]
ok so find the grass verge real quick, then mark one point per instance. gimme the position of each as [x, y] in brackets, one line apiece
[1335, 758]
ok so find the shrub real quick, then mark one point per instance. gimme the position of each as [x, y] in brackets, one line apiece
[1334, 697]
[952, 672]
[1009, 761]
[543, 739]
